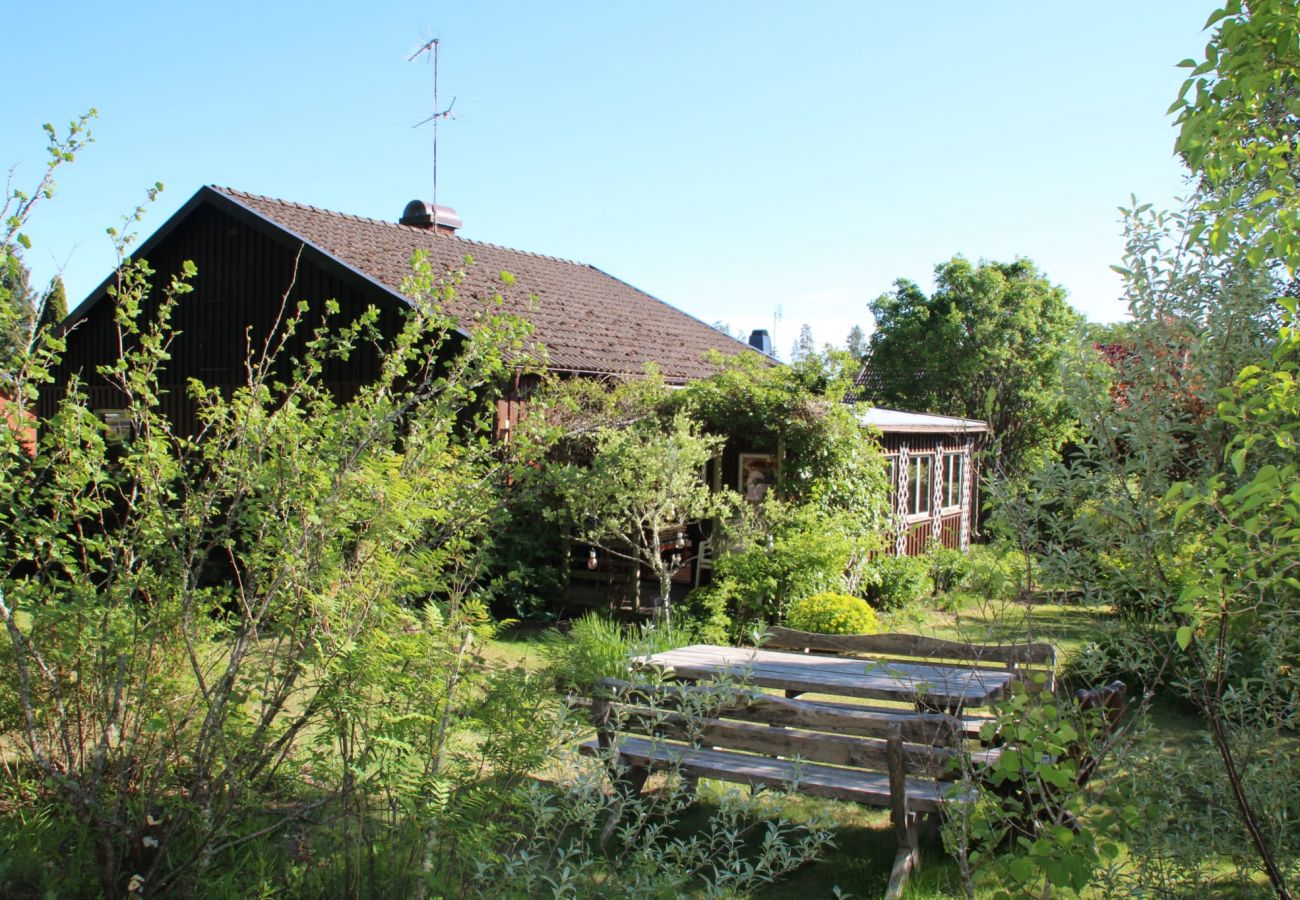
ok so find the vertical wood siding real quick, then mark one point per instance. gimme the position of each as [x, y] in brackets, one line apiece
[247, 283]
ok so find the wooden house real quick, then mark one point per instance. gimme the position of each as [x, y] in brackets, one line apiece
[253, 252]
[256, 256]
[933, 476]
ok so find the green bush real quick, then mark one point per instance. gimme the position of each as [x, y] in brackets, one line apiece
[901, 581]
[993, 573]
[598, 647]
[791, 550]
[949, 567]
[831, 613]
[704, 613]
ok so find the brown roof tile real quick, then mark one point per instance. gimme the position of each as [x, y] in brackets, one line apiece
[588, 320]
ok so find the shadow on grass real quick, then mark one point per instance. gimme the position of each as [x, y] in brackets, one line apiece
[858, 864]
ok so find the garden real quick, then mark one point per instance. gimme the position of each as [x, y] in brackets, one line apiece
[308, 650]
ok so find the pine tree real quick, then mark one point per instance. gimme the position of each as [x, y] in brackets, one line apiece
[804, 345]
[857, 342]
[54, 305]
[15, 305]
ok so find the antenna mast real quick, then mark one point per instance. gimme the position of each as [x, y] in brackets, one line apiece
[430, 48]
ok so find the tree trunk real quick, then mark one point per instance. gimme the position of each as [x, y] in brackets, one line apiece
[663, 611]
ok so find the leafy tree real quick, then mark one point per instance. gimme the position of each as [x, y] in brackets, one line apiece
[644, 480]
[1177, 506]
[988, 343]
[857, 343]
[1237, 118]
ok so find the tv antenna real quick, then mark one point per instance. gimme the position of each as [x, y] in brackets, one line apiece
[430, 48]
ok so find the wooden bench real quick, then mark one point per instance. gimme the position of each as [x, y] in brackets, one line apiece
[903, 762]
[1034, 664]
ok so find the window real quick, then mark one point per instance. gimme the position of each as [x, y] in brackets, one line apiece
[920, 484]
[954, 475]
[117, 422]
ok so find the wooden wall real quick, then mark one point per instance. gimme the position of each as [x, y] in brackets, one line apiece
[247, 282]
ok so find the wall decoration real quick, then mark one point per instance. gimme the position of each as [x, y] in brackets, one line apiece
[757, 475]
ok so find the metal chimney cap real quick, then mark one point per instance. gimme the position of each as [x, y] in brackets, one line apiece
[421, 214]
[760, 340]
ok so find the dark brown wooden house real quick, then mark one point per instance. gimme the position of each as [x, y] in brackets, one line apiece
[254, 254]
[253, 251]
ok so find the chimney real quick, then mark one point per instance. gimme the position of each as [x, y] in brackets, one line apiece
[760, 340]
[419, 214]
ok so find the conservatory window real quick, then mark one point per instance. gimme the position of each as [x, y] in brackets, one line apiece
[954, 474]
[920, 486]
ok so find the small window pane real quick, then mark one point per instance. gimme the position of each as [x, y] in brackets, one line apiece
[118, 422]
[920, 487]
[953, 476]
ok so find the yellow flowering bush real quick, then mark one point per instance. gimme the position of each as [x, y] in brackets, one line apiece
[832, 613]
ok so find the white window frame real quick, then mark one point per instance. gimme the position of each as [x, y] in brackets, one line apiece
[953, 485]
[920, 498]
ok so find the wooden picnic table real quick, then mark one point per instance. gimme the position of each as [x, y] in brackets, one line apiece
[936, 686]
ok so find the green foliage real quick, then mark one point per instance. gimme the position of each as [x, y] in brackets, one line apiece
[647, 848]
[789, 551]
[598, 647]
[992, 573]
[898, 582]
[21, 307]
[208, 641]
[856, 343]
[54, 305]
[1177, 503]
[988, 343]
[1028, 822]
[705, 613]
[949, 567]
[1236, 117]
[642, 481]
[831, 613]
[829, 459]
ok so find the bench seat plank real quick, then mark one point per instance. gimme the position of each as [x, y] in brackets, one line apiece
[871, 719]
[871, 788]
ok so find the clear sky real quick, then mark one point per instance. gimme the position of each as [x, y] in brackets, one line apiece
[730, 158]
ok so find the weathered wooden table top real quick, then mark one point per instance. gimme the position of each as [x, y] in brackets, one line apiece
[877, 679]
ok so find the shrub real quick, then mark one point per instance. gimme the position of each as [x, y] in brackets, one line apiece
[704, 613]
[949, 567]
[791, 550]
[598, 647]
[902, 581]
[831, 613]
[993, 573]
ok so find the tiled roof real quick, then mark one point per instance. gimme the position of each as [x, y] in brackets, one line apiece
[588, 320]
[867, 383]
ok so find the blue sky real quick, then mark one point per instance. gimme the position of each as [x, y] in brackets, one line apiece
[731, 158]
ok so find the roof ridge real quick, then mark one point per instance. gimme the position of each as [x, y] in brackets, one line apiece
[235, 192]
